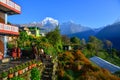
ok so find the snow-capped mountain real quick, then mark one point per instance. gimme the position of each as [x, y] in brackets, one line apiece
[49, 24]
[50, 21]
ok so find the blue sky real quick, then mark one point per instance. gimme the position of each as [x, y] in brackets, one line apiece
[91, 13]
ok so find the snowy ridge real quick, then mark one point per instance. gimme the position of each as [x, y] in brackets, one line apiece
[50, 20]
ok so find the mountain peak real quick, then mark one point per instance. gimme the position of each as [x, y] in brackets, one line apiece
[50, 20]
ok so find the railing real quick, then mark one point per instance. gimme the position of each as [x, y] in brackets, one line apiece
[8, 29]
[11, 4]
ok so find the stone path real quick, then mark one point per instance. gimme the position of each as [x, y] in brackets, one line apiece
[47, 72]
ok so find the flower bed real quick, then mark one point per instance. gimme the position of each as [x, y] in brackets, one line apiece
[19, 69]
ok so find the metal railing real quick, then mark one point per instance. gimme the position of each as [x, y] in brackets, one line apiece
[8, 28]
[11, 4]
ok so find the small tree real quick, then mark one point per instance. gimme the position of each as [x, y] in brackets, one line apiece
[108, 44]
[75, 40]
[23, 38]
[65, 39]
[94, 44]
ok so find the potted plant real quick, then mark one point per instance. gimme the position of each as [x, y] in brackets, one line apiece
[30, 64]
[26, 64]
[4, 75]
[20, 71]
[16, 68]
[11, 73]
[33, 63]
[23, 67]
[39, 63]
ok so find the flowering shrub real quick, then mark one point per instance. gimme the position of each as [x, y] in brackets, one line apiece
[73, 65]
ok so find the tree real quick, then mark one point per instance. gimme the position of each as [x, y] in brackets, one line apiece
[94, 44]
[55, 39]
[23, 38]
[65, 39]
[75, 40]
[108, 44]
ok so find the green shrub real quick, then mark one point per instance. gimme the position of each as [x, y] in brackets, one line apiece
[16, 68]
[10, 45]
[35, 74]
[4, 74]
[11, 70]
[17, 78]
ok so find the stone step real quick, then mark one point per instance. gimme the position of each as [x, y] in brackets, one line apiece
[48, 68]
[47, 73]
[47, 76]
[47, 62]
[49, 65]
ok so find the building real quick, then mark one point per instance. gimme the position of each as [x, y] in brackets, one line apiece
[33, 30]
[7, 8]
[67, 47]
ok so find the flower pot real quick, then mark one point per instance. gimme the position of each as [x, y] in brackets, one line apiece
[16, 73]
[35, 65]
[5, 78]
[23, 70]
[20, 72]
[26, 69]
[30, 67]
[10, 75]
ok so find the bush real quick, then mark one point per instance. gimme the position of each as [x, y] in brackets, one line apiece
[11, 70]
[17, 78]
[35, 74]
[85, 71]
[4, 74]
[10, 45]
[16, 68]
